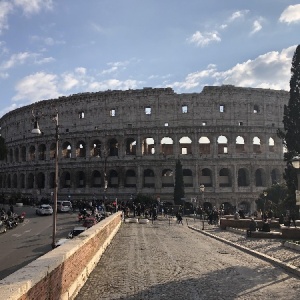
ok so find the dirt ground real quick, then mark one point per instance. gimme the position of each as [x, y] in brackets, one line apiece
[166, 260]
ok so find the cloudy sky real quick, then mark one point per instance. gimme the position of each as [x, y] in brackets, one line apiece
[50, 48]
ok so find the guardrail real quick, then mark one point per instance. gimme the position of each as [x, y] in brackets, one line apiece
[61, 273]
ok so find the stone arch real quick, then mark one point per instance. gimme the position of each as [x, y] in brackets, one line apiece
[31, 153]
[23, 153]
[130, 146]
[66, 179]
[66, 150]
[275, 176]
[22, 181]
[185, 145]
[96, 179]
[166, 146]
[15, 181]
[243, 177]
[225, 178]
[130, 178]
[167, 178]
[40, 180]
[148, 146]
[42, 152]
[30, 181]
[17, 154]
[222, 142]
[113, 179]
[81, 149]
[239, 144]
[256, 144]
[113, 147]
[80, 179]
[271, 144]
[204, 145]
[148, 178]
[187, 177]
[260, 177]
[95, 148]
[206, 177]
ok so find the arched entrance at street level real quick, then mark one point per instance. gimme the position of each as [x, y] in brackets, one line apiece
[228, 208]
[207, 206]
[245, 207]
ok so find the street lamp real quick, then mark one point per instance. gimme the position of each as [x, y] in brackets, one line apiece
[296, 165]
[265, 200]
[202, 188]
[36, 130]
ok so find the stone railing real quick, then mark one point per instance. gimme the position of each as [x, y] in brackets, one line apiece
[61, 273]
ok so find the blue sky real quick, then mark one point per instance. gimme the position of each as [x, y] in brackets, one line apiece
[50, 48]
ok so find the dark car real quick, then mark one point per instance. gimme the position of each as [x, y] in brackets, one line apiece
[76, 231]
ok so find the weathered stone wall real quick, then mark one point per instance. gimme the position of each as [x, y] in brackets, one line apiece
[121, 123]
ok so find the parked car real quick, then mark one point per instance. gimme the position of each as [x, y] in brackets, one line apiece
[44, 209]
[89, 222]
[64, 206]
[76, 231]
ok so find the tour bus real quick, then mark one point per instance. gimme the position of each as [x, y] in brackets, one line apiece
[64, 206]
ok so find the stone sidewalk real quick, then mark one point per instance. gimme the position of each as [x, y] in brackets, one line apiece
[166, 260]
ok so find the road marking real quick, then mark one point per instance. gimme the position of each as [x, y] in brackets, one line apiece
[16, 235]
[27, 231]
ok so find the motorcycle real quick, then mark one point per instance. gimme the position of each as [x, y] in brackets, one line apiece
[21, 217]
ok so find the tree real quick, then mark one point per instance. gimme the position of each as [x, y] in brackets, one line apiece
[3, 149]
[179, 185]
[291, 133]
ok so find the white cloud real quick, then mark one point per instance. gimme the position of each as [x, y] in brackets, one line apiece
[256, 26]
[113, 84]
[291, 14]
[270, 70]
[238, 15]
[195, 79]
[30, 7]
[115, 66]
[203, 39]
[80, 70]
[5, 9]
[24, 57]
[16, 59]
[37, 87]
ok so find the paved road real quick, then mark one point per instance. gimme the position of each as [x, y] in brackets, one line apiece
[158, 261]
[30, 239]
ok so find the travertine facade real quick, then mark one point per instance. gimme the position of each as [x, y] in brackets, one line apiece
[224, 136]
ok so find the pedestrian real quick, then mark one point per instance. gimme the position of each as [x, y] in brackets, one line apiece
[179, 218]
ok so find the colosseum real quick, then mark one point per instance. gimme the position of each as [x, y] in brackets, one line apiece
[117, 144]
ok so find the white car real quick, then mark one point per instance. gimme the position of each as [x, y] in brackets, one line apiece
[44, 209]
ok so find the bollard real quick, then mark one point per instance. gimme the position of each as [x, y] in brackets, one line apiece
[202, 224]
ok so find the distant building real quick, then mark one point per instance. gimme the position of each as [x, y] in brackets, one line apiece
[224, 136]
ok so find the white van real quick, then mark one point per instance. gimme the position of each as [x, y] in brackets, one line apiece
[64, 206]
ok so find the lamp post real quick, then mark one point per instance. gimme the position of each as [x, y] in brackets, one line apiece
[202, 188]
[265, 200]
[36, 130]
[296, 165]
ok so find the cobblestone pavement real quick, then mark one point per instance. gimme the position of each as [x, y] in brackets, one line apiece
[166, 260]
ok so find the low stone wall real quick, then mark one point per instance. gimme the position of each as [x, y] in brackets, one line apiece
[290, 233]
[61, 273]
[244, 223]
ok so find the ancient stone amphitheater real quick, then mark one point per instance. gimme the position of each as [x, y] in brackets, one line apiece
[117, 144]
